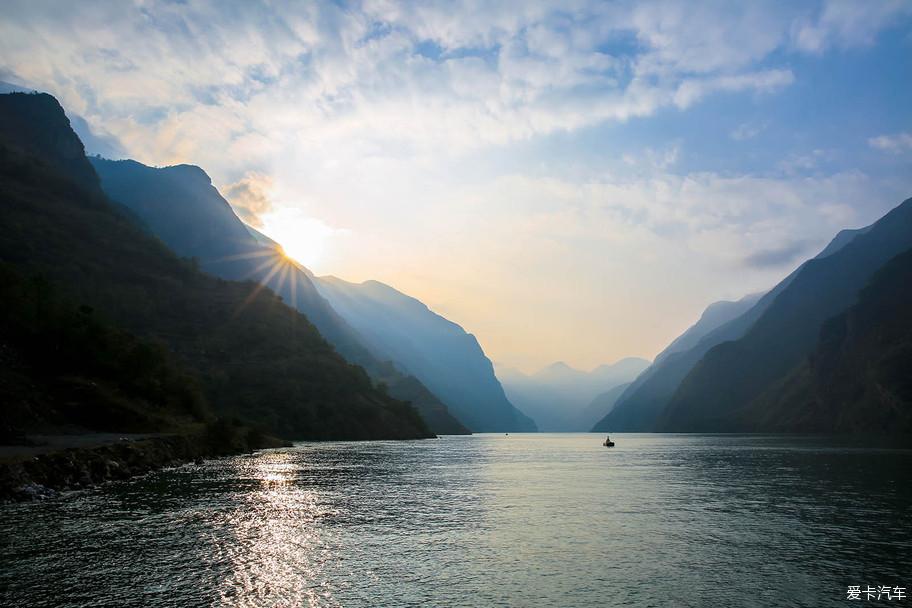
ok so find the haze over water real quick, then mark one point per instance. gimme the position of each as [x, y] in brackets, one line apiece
[516, 520]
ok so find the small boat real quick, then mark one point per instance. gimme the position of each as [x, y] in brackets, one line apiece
[608, 443]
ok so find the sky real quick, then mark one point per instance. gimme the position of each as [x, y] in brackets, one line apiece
[568, 181]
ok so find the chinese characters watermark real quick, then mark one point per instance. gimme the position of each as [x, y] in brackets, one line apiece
[880, 592]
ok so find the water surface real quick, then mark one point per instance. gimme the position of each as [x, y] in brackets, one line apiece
[485, 520]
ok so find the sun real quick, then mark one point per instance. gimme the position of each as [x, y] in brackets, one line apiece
[303, 239]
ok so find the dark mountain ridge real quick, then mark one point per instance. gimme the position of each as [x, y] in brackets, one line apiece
[858, 379]
[734, 373]
[180, 206]
[253, 357]
[639, 408]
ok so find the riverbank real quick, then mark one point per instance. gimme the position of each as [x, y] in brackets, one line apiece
[82, 461]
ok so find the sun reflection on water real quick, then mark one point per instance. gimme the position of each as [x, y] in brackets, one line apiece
[526, 520]
[277, 551]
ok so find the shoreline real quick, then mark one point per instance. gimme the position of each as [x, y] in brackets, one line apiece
[66, 463]
[46, 474]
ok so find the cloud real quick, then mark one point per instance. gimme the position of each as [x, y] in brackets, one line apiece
[653, 159]
[898, 143]
[96, 142]
[496, 74]
[415, 77]
[844, 23]
[778, 256]
[411, 142]
[797, 163]
[609, 258]
[747, 130]
[250, 197]
[692, 90]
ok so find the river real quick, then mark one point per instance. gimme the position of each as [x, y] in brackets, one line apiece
[483, 520]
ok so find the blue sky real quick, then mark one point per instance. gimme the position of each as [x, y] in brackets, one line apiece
[569, 181]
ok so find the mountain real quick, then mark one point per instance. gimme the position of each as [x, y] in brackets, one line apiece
[440, 353]
[253, 357]
[644, 401]
[858, 379]
[718, 393]
[557, 395]
[715, 315]
[180, 206]
[8, 87]
[600, 406]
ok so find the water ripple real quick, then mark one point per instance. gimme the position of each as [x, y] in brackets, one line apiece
[523, 520]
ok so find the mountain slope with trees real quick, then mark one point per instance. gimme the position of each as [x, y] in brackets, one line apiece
[641, 405]
[858, 379]
[254, 357]
[718, 391]
[180, 206]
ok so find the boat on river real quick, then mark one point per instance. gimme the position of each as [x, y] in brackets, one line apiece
[608, 443]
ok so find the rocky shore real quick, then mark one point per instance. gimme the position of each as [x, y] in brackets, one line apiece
[46, 475]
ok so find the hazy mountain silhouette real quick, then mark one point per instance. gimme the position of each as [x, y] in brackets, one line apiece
[558, 395]
[600, 406]
[715, 315]
[638, 409]
[180, 206]
[251, 355]
[718, 393]
[437, 351]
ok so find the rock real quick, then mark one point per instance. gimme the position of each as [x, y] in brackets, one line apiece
[35, 491]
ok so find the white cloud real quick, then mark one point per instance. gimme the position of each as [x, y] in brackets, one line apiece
[377, 130]
[747, 130]
[641, 255]
[416, 76]
[251, 197]
[846, 23]
[895, 144]
[795, 163]
[692, 90]
[502, 72]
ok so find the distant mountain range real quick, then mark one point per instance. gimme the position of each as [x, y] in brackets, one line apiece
[561, 398]
[135, 299]
[731, 372]
[448, 360]
[641, 403]
[416, 354]
[600, 406]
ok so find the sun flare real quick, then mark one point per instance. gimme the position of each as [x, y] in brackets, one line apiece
[304, 239]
